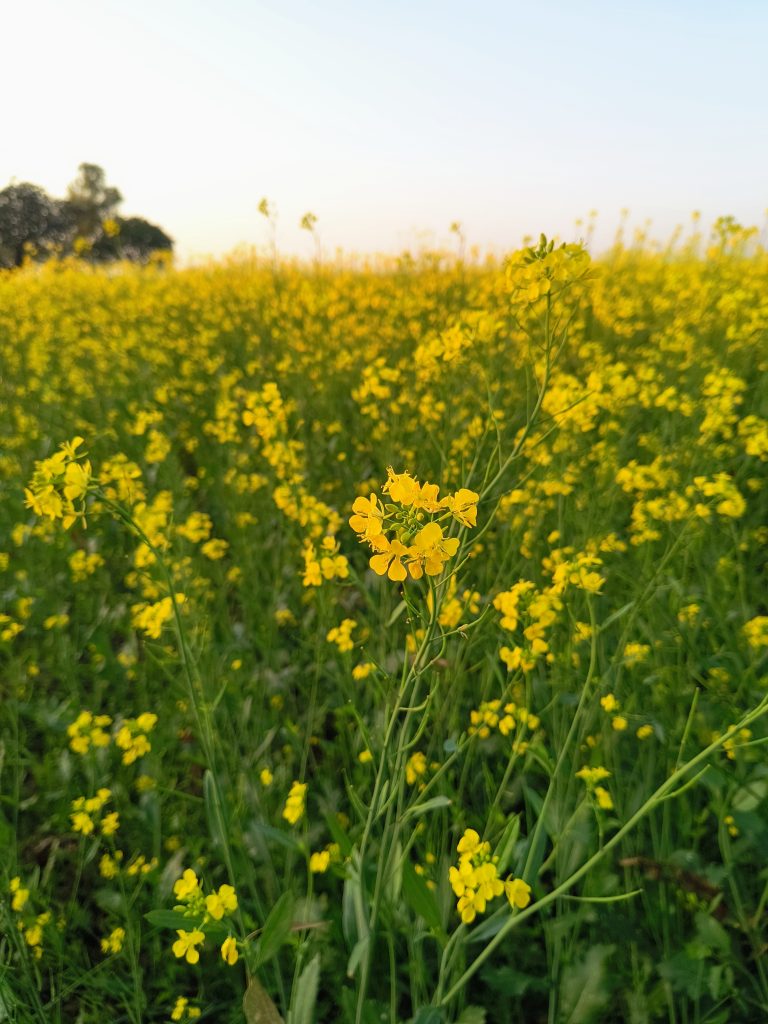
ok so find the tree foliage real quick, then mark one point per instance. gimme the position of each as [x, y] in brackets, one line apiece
[34, 225]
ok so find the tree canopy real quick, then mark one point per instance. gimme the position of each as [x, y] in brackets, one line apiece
[33, 225]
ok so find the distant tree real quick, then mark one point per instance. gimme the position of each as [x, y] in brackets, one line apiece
[131, 238]
[31, 224]
[91, 201]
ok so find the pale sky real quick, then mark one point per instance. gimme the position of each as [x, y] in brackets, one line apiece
[389, 120]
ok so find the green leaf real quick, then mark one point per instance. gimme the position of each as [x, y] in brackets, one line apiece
[338, 834]
[395, 614]
[490, 927]
[357, 954]
[306, 993]
[748, 797]
[419, 898]
[277, 929]
[472, 1015]
[258, 1008]
[276, 835]
[214, 810]
[505, 848]
[172, 919]
[435, 804]
[428, 1015]
[584, 989]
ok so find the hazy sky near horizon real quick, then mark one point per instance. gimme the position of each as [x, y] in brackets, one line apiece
[390, 120]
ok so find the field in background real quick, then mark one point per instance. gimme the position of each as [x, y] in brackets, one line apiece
[607, 612]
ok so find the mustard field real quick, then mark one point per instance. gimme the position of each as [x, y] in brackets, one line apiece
[386, 642]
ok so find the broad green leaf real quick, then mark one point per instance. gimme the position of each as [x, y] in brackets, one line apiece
[276, 835]
[750, 796]
[276, 930]
[584, 991]
[435, 804]
[472, 1015]
[306, 993]
[356, 957]
[172, 919]
[258, 1008]
[419, 897]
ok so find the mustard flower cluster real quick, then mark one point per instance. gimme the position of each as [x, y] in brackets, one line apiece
[756, 631]
[341, 635]
[321, 860]
[202, 909]
[150, 617]
[592, 777]
[30, 924]
[112, 944]
[538, 271]
[400, 533]
[89, 731]
[491, 715]
[139, 865]
[325, 563]
[86, 814]
[611, 706]
[132, 739]
[475, 881]
[184, 1011]
[415, 768]
[60, 484]
[295, 803]
[539, 610]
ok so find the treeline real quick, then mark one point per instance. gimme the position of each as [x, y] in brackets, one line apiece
[36, 226]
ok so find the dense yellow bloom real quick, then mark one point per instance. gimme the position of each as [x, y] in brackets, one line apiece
[151, 617]
[113, 943]
[88, 730]
[319, 861]
[518, 893]
[185, 945]
[60, 484]
[368, 517]
[475, 880]
[415, 768]
[229, 953]
[19, 893]
[603, 797]
[388, 560]
[401, 487]
[756, 631]
[430, 551]
[222, 902]
[187, 887]
[184, 1011]
[295, 803]
[86, 812]
[401, 541]
[341, 635]
[591, 776]
[463, 506]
